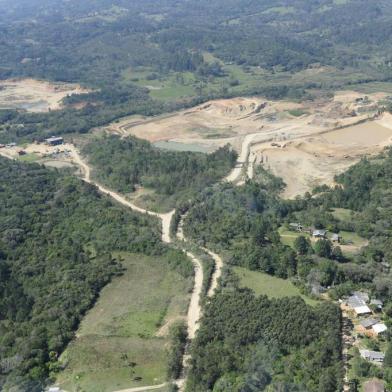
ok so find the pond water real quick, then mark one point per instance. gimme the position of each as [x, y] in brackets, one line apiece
[176, 146]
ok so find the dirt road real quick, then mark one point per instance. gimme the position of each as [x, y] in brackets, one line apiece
[165, 218]
[194, 310]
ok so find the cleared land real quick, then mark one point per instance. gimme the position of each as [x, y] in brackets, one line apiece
[35, 95]
[306, 143]
[116, 342]
[264, 284]
[350, 244]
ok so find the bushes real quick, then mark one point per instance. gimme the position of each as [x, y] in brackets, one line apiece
[255, 342]
[56, 238]
[124, 163]
[178, 341]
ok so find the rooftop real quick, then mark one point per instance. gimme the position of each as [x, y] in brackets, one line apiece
[366, 323]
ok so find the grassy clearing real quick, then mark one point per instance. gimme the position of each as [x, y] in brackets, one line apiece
[116, 342]
[264, 284]
[342, 214]
[288, 237]
[354, 238]
[148, 199]
[29, 158]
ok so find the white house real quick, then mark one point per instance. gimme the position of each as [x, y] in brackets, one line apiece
[379, 328]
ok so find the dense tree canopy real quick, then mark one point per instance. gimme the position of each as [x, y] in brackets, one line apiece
[56, 238]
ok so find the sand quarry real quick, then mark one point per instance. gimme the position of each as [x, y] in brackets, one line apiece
[35, 95]
[306, 144]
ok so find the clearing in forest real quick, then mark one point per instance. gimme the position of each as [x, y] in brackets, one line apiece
[35, 95]
[116, 345]
[273, 287]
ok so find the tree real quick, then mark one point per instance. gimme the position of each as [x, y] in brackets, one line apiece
[337, 253]
[302, 245]
[323, 248]
[327, 381]
[354, 384]
[388, 356]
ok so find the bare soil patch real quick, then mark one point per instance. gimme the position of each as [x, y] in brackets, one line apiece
[35, 95]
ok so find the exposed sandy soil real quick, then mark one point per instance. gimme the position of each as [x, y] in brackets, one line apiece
[306, 162]
[315, 139]
[35, 95]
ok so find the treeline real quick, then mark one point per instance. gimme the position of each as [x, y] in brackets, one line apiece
[56, 238]
[248, 343]
[123, 164]
[244, 222]
[365, 190]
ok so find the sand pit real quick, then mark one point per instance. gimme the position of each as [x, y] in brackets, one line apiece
[313, 140]
[366, 134]
[306, 162]
[35, 95]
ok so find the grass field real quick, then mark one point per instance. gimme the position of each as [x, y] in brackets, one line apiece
[356, 240]
[269, 285]
[116, 343]
[342, 214]
[288, 237]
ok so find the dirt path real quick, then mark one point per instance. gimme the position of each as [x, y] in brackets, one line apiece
[142, 389]
[194, 310]
[217, 273]
[165, 218]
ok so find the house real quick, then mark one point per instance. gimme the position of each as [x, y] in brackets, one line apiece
[335, 237]
[368, 323]
[373, 356]
[295, 226]
[374, 386]
[379, 329]
[362, 295]
[362, 310]
[319, 233]
[54, 141]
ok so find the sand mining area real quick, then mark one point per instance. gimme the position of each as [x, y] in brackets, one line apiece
[305, 143]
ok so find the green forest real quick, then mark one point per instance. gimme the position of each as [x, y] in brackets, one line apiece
[211, 50]
[57, 235]
[244, 223]
[249, 343]
[123, 164]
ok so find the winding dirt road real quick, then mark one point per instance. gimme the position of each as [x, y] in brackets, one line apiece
[194, 310]
[165, 218]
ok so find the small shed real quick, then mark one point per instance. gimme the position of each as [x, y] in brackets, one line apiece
[319, 233]
[377, 303]
[379, 328]
[368, 323]
[295, 226]
[374, 386]
[335, 237]
[373, 356]
[362, 310]
[54, 141]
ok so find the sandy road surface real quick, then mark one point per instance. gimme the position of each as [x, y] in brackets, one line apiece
[142, 389]
[194, 310]
[217, 273]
